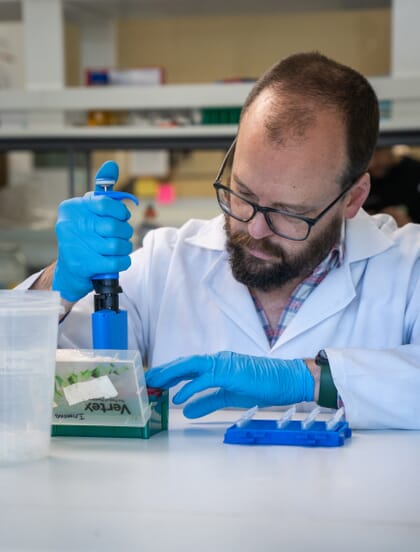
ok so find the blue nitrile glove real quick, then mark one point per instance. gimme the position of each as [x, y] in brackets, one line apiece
[242, 380]
[93, 237]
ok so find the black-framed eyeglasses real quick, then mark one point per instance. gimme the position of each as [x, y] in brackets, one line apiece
[282, 223]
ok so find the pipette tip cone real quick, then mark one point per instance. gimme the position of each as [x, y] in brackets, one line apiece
[108, 171]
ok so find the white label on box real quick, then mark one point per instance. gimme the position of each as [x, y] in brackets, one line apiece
[98, 388]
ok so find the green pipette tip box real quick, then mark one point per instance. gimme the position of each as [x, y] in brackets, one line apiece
[104, 394]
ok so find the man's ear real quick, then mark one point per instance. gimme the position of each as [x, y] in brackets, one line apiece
[357, 196]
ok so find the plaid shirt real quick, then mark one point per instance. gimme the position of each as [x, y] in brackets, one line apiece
[333, 260]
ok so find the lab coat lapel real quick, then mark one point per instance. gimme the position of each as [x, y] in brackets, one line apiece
[231, 297]
[338, 289]
[234, 300]
[332, 295]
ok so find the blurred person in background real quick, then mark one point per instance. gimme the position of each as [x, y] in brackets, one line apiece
[395, 184]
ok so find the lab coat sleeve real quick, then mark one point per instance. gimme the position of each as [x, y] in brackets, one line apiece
[26, 284]
[380, 388]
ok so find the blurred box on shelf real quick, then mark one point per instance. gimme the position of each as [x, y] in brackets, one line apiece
[385, 109]
[220, 115]
[97, 77]
[141, 76]
[136, 76]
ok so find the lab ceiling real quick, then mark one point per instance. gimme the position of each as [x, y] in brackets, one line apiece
[79, 9]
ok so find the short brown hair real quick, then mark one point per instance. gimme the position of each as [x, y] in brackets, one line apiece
[322, 83]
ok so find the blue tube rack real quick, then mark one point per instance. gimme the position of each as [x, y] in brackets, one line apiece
[290, 432]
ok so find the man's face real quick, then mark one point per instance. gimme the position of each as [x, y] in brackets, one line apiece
[300, 176]
[283, 265]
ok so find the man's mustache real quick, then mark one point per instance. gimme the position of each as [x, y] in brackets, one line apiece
[264, 245]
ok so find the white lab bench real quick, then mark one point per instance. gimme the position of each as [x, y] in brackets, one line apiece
[186, 490]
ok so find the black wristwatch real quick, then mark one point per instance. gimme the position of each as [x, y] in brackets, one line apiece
[328, 395]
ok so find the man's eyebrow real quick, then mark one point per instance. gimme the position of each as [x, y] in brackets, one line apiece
[242, 184]
[277, 205]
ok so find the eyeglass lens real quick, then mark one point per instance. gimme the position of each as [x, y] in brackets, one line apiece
[279, 223]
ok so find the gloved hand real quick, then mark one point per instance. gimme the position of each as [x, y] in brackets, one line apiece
[243, 381]
[93, 238]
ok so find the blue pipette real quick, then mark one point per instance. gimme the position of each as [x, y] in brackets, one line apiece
[109, 322]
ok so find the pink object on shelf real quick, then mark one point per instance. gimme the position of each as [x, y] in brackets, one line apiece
[165, 193]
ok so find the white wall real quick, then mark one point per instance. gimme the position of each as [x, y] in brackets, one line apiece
[12, 68]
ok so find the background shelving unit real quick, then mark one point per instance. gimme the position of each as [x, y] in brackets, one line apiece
[54, 121]
[32, 111]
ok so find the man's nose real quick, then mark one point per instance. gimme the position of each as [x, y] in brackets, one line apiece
[258, 227]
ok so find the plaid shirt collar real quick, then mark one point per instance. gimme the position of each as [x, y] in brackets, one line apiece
[333, 260]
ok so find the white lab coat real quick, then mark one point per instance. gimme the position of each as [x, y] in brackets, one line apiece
[182, 299]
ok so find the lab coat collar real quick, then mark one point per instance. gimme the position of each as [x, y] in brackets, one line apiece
[211, 235]
[365, 235]
[364, 239]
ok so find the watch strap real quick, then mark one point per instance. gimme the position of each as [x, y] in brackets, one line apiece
[328, 395]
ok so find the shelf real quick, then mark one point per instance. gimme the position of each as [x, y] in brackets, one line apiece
[172, 138]
[23, 112]
[400, 131]
[168, 96]
[90, 138]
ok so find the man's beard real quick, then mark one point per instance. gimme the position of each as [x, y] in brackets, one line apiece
[285, 267]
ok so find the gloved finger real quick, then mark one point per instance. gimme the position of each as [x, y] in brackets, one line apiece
[83, 207]
[196, 385]
[81, 223]
[88, 224]
[168, 384]
[215, 401]
[106, 206]
[183, 368]
[86, 265]
[109, 246]
[108, 227]
[90, 243]
[110, 264]
[67, 290]
[165, 381]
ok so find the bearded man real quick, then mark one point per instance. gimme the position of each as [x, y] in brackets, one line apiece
[294, 293]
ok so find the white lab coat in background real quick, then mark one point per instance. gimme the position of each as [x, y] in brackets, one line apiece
[182, 300]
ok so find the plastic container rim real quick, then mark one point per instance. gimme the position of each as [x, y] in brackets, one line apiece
[24, 301]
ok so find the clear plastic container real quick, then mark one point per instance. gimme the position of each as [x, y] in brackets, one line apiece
[28, 341]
